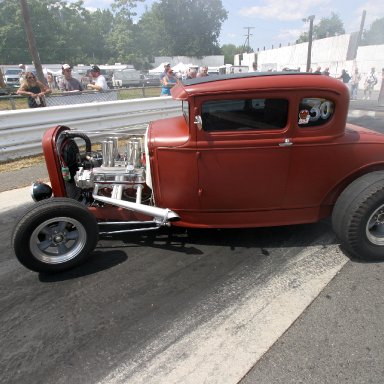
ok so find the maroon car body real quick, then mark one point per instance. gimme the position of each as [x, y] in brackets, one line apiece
[247, 150]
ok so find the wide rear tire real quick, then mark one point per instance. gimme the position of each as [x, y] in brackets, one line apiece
[55, 235]
[358, 217]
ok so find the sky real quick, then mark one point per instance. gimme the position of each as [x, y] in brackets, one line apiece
[274, 22]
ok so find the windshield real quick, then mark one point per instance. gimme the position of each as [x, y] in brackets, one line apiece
[12, 71]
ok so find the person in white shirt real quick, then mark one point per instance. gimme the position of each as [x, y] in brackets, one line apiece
[99, 83]
[369, 84]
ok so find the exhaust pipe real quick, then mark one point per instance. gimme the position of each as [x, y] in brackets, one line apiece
[163, 215]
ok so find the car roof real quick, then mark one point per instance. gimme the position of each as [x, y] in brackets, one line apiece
[243, 82]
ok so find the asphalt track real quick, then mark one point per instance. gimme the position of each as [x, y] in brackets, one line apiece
[300, 312]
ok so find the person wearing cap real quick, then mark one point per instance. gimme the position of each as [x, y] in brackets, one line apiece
[167, 67]
[69, 83]
[99, 83]
[168, 81]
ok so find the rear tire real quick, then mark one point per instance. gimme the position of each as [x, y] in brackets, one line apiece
[358, 217]
[55, 235]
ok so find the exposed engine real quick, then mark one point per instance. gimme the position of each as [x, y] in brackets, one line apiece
[116, 170]
[115, 174]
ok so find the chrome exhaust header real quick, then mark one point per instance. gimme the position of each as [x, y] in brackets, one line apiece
[161, 215]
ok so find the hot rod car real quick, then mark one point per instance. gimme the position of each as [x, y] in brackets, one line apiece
[247, 150]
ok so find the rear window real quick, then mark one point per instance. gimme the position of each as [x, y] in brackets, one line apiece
[244, 114]
[315, 111]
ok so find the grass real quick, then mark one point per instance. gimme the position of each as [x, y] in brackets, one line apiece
[17, 164]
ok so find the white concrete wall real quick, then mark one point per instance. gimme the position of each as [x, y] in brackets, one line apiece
[210, 61]
[329, 52]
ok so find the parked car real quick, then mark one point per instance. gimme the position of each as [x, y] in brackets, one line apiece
[126, 78]
[150, 80]
[12, 77]
[247, 150]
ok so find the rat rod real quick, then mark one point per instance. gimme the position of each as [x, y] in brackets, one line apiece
[247, 150]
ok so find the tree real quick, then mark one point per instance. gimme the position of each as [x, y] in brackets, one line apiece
[184, 27]
[375, 34]
[327, 27]
[229, 51]
[13, 42]
[98, 48]
[56, 26]
[122, 34]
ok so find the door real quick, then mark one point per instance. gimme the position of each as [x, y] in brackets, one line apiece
[243, 154]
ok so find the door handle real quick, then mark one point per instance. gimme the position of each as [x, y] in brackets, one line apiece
[286, 143]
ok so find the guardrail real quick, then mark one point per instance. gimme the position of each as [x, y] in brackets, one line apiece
[21, 131]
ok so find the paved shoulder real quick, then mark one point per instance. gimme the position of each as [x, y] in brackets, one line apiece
[338, 339]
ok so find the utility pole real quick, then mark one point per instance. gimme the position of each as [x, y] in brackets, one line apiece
[246, 44]
[310, 34]
[361, 28]
[31, 40]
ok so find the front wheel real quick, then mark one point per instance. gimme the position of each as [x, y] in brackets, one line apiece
[55, 235]
[358, 217]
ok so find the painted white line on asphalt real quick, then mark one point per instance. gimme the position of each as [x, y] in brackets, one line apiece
[226, 347]
[363, 112]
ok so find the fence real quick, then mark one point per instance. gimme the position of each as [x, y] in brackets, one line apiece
[80, 98]
[21, 131]
[12, 101]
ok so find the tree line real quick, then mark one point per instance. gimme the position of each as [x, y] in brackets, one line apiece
[68, 32]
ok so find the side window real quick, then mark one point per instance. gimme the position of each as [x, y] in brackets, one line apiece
[314, 112]
[244, 114]
[185, 107]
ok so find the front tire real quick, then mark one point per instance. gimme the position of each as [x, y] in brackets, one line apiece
[55, 235]
[358, 217]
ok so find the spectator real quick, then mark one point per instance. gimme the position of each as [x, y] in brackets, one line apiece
[34, 89]
[167, 67]
[167, 82]
[326, 71]
[344, 76]
[100, 83]
[191, 73]
[369, 84]
[356, 77]
[22, 73]
[203, 72]
[51, 81]
[69, 83]
[86, 79]
[381, 94]
[318, 70]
